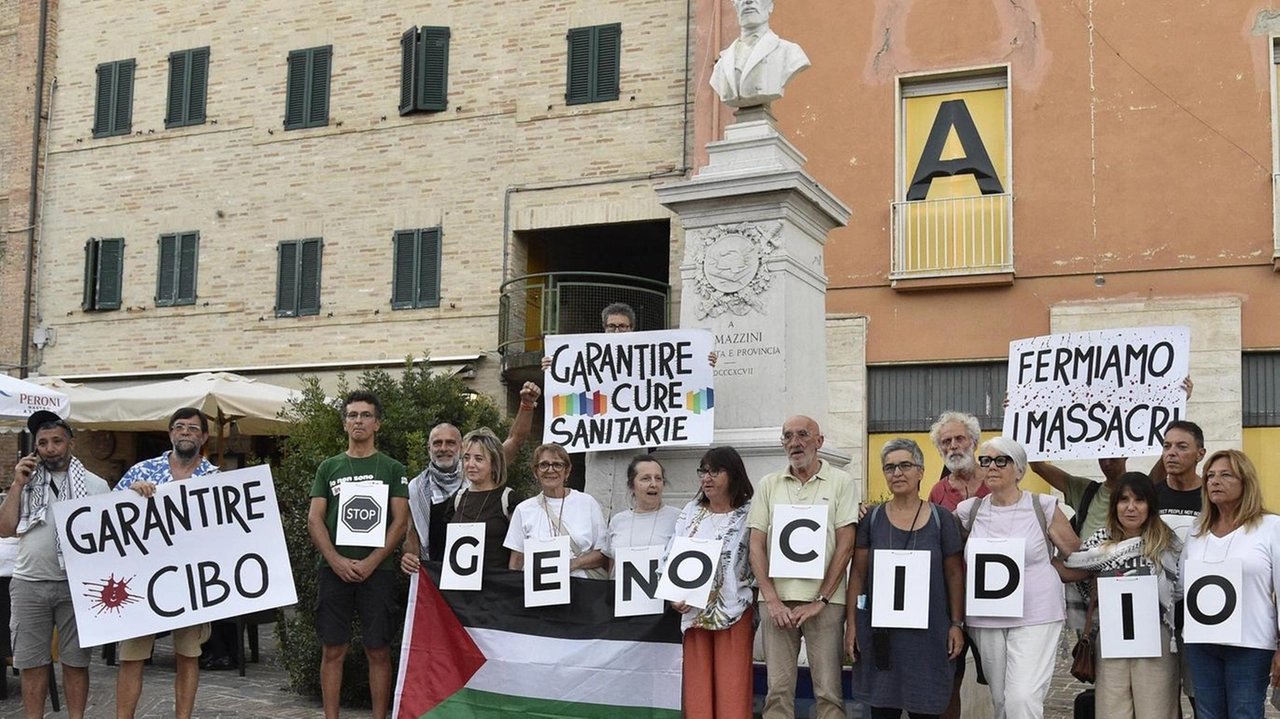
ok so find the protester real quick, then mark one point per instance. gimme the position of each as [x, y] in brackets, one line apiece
[485, 498]
[39, 594]
[649, 522]
[188, 432]
[559, 511]
[896, 670]
[432, 491]
[619, 317]
[791, 609]
[356, 580]
[1018, 652]
[1181, 498]
[718, 639]
[1134, 542]
[1231, 677]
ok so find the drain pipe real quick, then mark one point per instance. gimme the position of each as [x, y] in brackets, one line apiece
[32, 205]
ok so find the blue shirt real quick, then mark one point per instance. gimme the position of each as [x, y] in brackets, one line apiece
[157, 471]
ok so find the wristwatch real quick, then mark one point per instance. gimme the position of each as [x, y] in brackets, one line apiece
[822, 599]
[959, 624]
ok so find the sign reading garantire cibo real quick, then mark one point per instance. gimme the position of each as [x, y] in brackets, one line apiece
[200, 549]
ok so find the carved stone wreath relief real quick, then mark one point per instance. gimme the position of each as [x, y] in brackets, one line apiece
[731, 272]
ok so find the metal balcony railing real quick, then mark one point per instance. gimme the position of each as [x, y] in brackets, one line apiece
[953, 236]
[561, 303]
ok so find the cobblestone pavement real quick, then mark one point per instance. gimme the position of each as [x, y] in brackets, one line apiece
[263, 694]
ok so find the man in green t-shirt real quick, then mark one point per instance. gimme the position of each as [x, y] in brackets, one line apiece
[356, 580]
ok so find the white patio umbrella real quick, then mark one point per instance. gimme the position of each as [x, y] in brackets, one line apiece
[254, 406]
[19, 399]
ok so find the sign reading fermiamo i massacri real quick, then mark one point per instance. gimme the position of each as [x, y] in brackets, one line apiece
[629, 390]
[1106, 393]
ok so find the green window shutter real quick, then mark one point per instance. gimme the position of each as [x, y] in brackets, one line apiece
[428, 268]
[110, 273]
[434, 45]
[318, 102]
[166, 277]
[608, 57]
[198, 87]
[287, 279]
[102, 99]
[188, 253]
[578, 87]
[90, 275]
[175, 108]
[309, 278]
[408, 68]
[295, 101]
[404, 269]
[122, 113]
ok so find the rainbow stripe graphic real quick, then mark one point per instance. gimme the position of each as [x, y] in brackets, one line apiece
[700, 401]
[589, 403]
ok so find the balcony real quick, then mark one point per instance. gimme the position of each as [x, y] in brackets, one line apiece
[952, 241]
[562, 303]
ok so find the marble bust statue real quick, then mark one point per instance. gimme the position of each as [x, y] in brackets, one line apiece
[759, 64]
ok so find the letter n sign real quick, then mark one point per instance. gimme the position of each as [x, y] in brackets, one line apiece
[995, 577]
[1212, 613]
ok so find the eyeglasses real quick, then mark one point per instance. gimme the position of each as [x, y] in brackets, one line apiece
[551, 466]
[704, 471]
[891, 468]
[181, 427]
[353, 416]
[801, 434]
[1000, 461]
[617, 328]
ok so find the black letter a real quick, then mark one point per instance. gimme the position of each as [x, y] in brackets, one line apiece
[976, 162]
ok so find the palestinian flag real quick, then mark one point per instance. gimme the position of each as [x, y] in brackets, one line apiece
[477, 655]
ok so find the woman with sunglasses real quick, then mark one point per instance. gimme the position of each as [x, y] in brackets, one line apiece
[717, 639]
[911, 670]
[1018, 652]
[559, 511]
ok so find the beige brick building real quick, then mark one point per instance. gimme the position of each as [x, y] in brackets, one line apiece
[515, 179]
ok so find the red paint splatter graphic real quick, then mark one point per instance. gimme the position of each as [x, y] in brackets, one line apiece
[110, 594]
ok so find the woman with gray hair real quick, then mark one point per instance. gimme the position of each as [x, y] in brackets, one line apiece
[1018, 652]
[896, 670]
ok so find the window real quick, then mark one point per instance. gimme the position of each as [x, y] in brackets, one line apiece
[424, 69]
[103, 274]
[909, 398]
[416, 275]
[954, 212]
[113, 104]
[188, 87]
[594, 63]
[176, 279]
[298, 278]
[307, 96]
[1261, 384]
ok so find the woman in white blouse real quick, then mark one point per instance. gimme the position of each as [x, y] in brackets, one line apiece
[1231, 676]
[649, 522]
[559, 511]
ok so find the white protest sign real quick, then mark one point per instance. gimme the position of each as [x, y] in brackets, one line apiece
[691, 570]
[463, 567]
[1107, 393]
[994, 576]
[635, 580]
[629, 390]
[1212, 612]
[901, 583]
[1129, 617]
[546, 571]
[362, 514]
[200, 549]
[798, 541]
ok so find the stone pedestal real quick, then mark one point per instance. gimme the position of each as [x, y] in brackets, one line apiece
[755, 224]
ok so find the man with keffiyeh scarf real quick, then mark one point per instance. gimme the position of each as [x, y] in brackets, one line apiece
[40, 595]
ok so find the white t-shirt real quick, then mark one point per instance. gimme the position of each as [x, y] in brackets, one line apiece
[578, 512]
[1258, 550]
[630, 528]
[37, 551]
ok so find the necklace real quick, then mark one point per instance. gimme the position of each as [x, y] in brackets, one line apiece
[653, 525]
[466, 499]
[719, 521]
[558, 523]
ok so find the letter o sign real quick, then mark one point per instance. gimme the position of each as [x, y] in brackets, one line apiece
[704, 570]
[1229, 600]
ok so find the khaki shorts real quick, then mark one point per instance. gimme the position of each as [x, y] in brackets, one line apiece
[36, 609]
[186, 643]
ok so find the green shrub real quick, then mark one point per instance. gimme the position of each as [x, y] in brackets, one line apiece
[412, 404]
